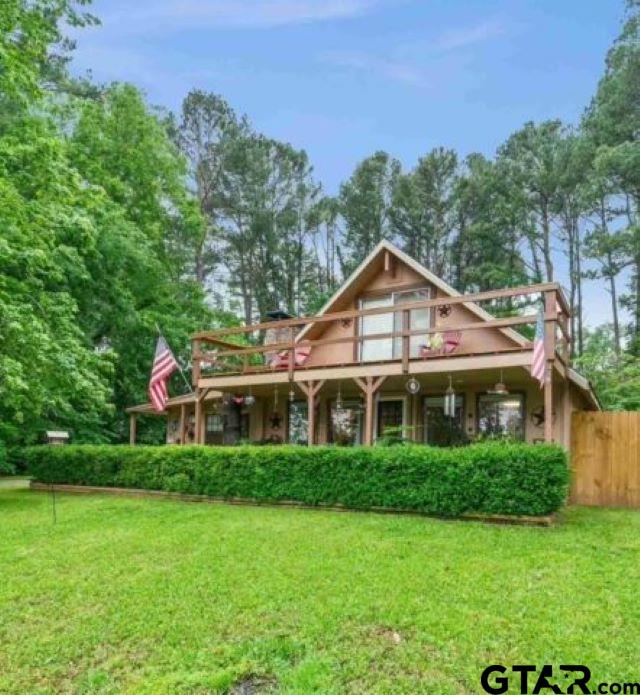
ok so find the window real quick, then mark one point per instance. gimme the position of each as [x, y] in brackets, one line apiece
[440, 430]
[298, 422]
[215, 424]
[346, 423]
[388, 348]
[374, 350]
[418, 319]
[501, 415]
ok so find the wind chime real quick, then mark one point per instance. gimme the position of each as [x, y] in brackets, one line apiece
[450, 401]
[339, 399]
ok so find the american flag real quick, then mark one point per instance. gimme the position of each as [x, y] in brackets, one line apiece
[538, 362]
[164, 364]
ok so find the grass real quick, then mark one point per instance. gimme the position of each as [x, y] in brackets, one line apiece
[159, 596]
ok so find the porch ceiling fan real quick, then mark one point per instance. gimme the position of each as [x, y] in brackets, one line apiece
[499, 388]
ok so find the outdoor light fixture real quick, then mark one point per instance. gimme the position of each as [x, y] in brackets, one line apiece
[249, 399]
[499, 388]
[413, 386]
[292, 395]
[339, 399]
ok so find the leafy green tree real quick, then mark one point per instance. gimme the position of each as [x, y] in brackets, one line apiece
[616, 379]
[32, 46]
[366, 200]
[50, 373]
[491, 219]
[205, 133]
[422, 211]
[531, 156]
[613, 122]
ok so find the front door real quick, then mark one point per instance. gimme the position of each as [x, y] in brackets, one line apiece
[390, 418]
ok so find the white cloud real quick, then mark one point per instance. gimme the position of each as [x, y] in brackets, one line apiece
[395, 70]
[170, 16]
[416, 63]
[462, 38]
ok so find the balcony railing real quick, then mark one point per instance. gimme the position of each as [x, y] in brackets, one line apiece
[220, 356]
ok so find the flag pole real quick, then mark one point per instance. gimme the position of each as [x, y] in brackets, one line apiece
[186, 381]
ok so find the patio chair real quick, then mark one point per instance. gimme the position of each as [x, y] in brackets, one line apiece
[281, 360]
[451, 341]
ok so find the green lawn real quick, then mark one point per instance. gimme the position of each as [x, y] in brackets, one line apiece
[146, 596]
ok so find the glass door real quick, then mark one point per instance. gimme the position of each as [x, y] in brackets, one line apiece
[390, 418]
[439, 429]
[298, 422]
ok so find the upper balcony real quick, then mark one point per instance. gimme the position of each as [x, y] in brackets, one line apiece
[409, 334]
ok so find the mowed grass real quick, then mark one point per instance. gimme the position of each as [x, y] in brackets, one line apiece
[158, 596]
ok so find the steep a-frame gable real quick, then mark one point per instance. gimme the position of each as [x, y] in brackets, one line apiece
[388, 269]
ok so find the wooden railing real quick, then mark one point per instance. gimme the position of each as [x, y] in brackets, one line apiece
[225, 357]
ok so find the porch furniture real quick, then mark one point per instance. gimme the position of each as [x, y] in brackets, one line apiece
[440, 344]
[281, 360]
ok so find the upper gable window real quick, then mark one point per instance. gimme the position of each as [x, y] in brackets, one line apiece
[390, 348]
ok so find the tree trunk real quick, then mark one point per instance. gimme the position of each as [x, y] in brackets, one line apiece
[578, 255]
[546, 241]
[614, 308]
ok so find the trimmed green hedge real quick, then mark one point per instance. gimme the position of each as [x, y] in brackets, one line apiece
[491, 478]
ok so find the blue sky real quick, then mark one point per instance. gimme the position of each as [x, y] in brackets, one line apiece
[343, 78]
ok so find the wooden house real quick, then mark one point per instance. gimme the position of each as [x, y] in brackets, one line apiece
[395, 352]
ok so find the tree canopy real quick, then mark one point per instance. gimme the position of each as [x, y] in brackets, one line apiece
[117, 218]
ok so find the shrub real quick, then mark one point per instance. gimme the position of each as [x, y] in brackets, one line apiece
[491, 478]
[6, 466]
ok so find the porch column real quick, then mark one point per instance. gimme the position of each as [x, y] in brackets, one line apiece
[566, 415]
[197, 435]
[550, 319]
[311, 389]
[183, 422]
[133, 426]
[369, 385]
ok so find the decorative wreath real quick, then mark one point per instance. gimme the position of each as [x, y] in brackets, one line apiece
[537, 416]
[275, 421]
[444, 310]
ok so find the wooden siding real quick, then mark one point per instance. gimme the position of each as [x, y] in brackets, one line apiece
[606, 459]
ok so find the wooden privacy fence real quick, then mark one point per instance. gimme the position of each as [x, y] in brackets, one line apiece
[605, 457]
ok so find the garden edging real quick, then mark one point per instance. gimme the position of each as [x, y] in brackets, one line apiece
[542, 521]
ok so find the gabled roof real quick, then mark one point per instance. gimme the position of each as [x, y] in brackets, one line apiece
[385, 245]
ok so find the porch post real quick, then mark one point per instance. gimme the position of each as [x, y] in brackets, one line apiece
[183, 414]
[369, 385]
[550, 319]
[133, 426]
[311, 389]
[566, 415]
[197, 435]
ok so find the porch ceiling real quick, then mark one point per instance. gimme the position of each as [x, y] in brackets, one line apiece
[516, 378]
[432, 368]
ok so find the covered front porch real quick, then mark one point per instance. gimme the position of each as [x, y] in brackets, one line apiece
[362, 409]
